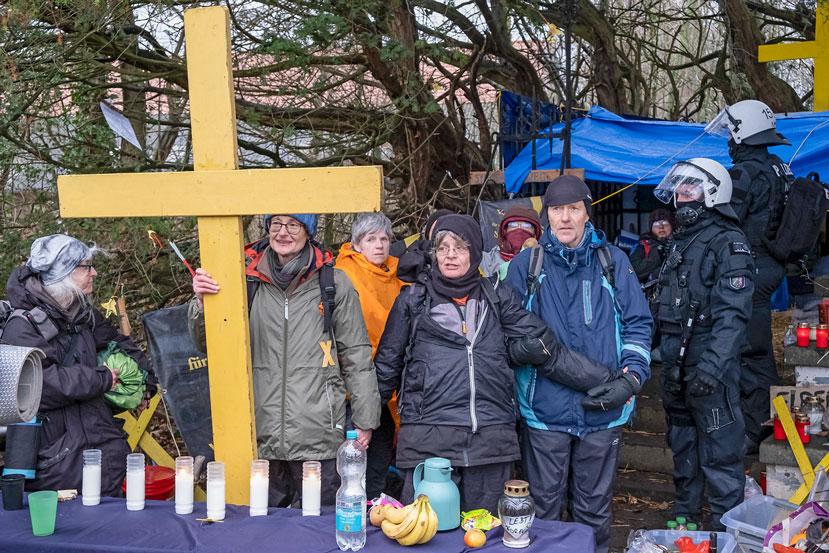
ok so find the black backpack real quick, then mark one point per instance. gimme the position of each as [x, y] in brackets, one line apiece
[802, 219]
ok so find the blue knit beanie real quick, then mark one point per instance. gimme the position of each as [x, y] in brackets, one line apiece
[309, 221]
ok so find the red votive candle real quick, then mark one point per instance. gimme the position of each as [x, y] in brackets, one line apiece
[803, 335]
[822, 337]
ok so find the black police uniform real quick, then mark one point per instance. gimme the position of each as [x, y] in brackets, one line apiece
[710, 263]
[754, 174]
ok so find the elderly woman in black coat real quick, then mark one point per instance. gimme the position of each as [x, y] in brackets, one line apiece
[55, 285]
[447, 350]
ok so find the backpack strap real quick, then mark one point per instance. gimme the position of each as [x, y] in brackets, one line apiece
[328, 293]
[37, 317]
[534, 270]
[608, 267]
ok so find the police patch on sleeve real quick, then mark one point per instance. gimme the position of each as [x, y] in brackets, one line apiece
[737, 283]
[739, 247]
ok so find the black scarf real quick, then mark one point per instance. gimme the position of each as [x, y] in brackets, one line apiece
[467, 228]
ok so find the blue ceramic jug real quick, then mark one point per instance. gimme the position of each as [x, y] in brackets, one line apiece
[435, 482]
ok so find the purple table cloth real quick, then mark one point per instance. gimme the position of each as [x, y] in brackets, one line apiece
[109, 527]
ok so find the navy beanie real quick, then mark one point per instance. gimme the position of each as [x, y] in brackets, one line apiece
[568, 189]
[308, 220]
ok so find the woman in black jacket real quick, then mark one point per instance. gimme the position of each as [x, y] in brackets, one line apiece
[57, 282]
[447, 349]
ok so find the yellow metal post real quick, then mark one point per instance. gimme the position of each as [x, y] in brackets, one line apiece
[817, 49]
[217, 193]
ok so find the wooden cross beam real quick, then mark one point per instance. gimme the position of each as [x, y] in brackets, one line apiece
[218, 194]
[817, 49]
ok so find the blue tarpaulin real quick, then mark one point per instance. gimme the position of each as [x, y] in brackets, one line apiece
[611, 148]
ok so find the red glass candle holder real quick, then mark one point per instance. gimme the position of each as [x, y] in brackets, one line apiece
[822, 336]
[803, 335]
[779, 433]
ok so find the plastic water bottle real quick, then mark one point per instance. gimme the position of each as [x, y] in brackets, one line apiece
[351, 497]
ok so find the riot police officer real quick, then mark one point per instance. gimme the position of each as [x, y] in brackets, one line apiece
[704, 305]
[760, 181]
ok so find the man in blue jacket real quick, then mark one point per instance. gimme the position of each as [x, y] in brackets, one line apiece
[589, 295]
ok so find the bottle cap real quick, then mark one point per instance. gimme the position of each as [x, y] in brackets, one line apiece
[680, 520]
[351, 435]
[692, 527]
[672, 525]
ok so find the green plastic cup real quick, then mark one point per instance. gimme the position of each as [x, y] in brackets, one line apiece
[43, 508]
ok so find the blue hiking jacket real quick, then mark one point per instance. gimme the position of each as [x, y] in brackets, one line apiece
[609, 325]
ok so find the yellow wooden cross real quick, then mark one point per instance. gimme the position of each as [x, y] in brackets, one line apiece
[218, 194]
[817, 49]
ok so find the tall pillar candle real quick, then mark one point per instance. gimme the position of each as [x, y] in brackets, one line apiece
[216, 490]
[91, 487]
[311, 488]
[259, 488]
[135, 481]
[184, 485]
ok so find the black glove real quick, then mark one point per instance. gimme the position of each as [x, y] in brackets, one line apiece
[613, 394]
[532, 350]
[673, 380]
[701, 384]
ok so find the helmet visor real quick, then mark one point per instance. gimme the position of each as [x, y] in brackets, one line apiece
[719, 125]
[683, 180]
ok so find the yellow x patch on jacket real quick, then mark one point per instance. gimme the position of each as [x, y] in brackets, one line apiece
[327, 360]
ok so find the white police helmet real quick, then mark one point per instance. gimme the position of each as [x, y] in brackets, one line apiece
[700, 179]
[748, 122]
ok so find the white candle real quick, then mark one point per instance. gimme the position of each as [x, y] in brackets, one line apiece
[135, 481]
[259, 488]
[215, 490]
[184, 485]
[91, 487]
[91, 491]
[311, 488]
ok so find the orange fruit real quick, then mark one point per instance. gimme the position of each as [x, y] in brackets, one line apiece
[474, 538]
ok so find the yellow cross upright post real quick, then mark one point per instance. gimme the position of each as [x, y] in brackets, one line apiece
[218, 194]
[817, 49]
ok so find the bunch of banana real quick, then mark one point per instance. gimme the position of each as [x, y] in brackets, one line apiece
[409, 525]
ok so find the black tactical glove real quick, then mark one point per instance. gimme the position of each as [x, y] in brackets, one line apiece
[532, 350]
[701, 384]
[613, 394]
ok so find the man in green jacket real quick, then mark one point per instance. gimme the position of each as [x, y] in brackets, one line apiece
[301, 371]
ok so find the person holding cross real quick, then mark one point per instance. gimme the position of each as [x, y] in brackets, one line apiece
[309, 348]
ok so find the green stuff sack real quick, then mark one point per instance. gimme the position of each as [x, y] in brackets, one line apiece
[129, 391]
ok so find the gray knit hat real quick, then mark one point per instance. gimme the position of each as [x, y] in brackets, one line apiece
[54, 257]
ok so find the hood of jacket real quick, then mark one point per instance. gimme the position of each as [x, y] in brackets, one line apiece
[377, 287]
[350, 258]
[25, 291]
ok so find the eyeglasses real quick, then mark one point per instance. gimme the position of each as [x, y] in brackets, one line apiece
[293, 228]
[444, 250]
[512, 225]
[88, 266]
